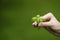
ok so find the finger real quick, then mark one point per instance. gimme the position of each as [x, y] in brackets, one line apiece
[48, 16]
[44, 24]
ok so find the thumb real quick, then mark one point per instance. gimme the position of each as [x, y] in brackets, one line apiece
[44, 24]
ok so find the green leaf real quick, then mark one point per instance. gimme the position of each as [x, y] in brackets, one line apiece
[34, 19]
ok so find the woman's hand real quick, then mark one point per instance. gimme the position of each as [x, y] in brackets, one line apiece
[50, 23]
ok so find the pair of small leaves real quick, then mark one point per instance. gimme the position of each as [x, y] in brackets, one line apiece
[38, 19]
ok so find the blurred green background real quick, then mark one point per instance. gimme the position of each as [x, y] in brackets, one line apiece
[16, 19]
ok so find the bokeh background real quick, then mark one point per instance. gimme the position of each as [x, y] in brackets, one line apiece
[15, 19]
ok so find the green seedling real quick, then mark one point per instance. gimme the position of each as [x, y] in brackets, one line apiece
[38, 19]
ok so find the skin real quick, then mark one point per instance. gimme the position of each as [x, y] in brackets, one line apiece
[51, 24]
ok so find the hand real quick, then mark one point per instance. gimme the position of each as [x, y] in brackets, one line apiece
[50, 23]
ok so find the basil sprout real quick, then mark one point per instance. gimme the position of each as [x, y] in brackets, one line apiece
[38, 19]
